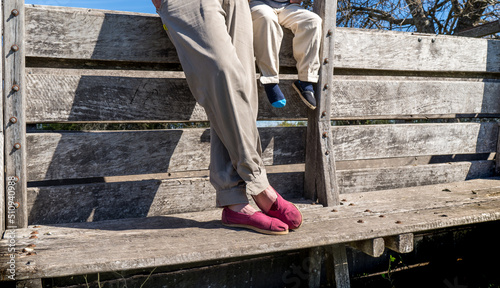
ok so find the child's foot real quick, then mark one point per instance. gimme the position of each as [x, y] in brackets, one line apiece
[306, 93]
[275, 95]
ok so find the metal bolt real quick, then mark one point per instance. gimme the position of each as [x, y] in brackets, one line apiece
[326, 61]
[327, 153]
[13, 120]
[329, 33]
[433, 40]
[14, 48]
[17, 146]
[323, 114]
[16, 179]
[16, 87]
[419, 39]
[17, 205]
[325, 134]
[15, 12]
[326, 87]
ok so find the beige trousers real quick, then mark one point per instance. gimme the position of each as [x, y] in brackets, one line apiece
[268, 34]
[213, 39]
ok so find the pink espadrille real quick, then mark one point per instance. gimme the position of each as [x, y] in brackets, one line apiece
[258, 222]
[286, 212]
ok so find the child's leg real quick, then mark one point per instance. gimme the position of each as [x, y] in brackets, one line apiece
[267, 42]
[306, 26]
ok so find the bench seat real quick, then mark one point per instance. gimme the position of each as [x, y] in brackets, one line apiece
[117, 245]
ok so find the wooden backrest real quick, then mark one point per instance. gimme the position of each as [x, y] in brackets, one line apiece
[90, 66]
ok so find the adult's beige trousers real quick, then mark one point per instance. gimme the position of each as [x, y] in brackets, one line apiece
[213, 39]
[268, 34]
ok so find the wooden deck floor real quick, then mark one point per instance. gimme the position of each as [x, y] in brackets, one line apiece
[84, 248]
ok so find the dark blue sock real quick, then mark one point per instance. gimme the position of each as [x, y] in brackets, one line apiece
[275, 95]
[306, 86]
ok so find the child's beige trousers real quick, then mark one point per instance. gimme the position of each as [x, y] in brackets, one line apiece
[305, 25]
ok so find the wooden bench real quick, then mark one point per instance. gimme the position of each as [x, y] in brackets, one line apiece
[92, 202]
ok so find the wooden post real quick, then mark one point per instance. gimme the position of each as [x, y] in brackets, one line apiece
[497, 156]
[13, 111]
[320, 178]
[2, 175]
[337, 261]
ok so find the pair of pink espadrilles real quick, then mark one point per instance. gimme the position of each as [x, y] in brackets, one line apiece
[281, 217]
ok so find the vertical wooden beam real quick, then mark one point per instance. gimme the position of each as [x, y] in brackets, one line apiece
[337, 261]
[314, 273]
[320, 175]
[13, 114]
[2, 175]
[497, 156]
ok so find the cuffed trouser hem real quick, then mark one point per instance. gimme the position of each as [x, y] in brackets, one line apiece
[269, 79]
[259, 184]
[313, 78]
[231, 197]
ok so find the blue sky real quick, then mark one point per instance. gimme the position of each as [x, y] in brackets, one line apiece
[144, 6]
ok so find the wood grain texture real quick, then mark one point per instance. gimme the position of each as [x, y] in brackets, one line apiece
[364, 180]
[121, 198]
[384, 141]
[97, 154]
[397, 96]
[373, 247]
[138, 96]
[154, 241]
[135, 199]
[68, 95]
[3, 206]
[14, 105]
[402, 243]
[75, 33]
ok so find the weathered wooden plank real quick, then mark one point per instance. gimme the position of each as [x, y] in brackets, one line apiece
[373, 247]
[120, 198]
[402, 243]
[481, 30]
[135, 199]
[68, 95]
[14, 103]
[314, 261]
[3, 206]
[340, 266]
[75, 33]
[98, 154]
[110, 95]
[388, 50]
[363, 180]
[379, 96]
[153, 241]
[385, 141]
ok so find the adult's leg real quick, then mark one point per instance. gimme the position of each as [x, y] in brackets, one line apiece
[214, 44]
[306, 27]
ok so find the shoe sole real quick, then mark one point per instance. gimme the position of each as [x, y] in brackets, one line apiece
[268, 232]
[302, 97]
